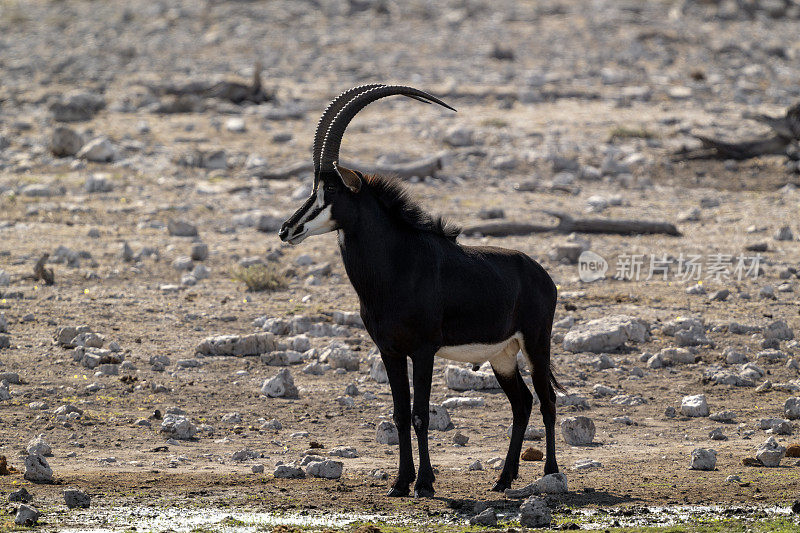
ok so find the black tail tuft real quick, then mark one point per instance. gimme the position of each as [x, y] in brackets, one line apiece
[554, 382]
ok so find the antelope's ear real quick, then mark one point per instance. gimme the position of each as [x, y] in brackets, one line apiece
[350, 178]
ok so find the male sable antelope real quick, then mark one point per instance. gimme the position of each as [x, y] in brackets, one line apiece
[423, 294]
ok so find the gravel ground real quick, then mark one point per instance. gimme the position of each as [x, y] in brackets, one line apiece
[562, 106]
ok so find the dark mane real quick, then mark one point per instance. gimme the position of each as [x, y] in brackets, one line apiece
[396, 199]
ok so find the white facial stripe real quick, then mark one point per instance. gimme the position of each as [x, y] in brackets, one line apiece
[318, 205]
[320, 224]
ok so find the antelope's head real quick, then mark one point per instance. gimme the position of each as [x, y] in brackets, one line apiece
[336, 188]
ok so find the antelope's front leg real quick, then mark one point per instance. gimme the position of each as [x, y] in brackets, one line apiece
[397, 371]
[420, 417]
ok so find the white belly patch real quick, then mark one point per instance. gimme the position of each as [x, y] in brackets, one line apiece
[502, 355]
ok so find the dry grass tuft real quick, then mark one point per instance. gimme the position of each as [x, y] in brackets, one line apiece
[260, 277]
[624, 132]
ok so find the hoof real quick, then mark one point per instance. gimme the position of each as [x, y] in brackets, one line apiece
[501, 486]
[423, 492]
[550, 469]
[398, 493]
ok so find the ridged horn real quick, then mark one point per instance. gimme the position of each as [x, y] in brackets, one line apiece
[330, 113]
[333, 138]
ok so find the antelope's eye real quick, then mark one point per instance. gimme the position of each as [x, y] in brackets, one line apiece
[330, 188]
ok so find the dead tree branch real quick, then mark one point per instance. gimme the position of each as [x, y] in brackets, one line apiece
[786, 132]
[421, 168]
[233, 91]
[568, 224]
[741, 150]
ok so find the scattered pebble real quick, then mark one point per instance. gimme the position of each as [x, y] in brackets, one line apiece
[27, 516]
[327, 469]
[578, 430]
[386, 433]
[770, 453]
[37, 469]
[605, 334]
[288, 472]
[694, 406]
[703, 459]
[534, 512]
[280, 386]
[75, 498]
[178, 427]
[486, 518]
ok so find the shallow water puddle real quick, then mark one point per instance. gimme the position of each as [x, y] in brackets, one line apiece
[116, 519]
[181, 520]
[673, 515]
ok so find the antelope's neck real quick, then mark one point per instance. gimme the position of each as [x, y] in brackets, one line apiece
[370, 256]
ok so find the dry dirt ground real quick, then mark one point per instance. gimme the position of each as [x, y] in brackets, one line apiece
[649, 72]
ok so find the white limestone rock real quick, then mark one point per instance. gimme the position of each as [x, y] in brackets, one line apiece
[346, 452]
[37, 469]
[255, 344]
[694, 406]
[630, 400]
[455, 403]
[606, 334]
[578, 430]
[535, 513]
[178, 427]
[98, 150]
[327, 469]
[703, 459]
[386, 433]
[549, 484]
[341, 357]
[288, 472]
[770, 453]
[377, 371]
[676, 356]
[27, 516]
[531, 432]
[791, 408]
[282, 358]
[778, 330]
[439, 418]
[461, 379]
[280, 386]
[39, 446]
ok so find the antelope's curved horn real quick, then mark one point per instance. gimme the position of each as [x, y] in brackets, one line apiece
[330, 113]
[333, 137]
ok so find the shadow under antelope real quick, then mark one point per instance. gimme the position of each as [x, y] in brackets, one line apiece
[423, 294]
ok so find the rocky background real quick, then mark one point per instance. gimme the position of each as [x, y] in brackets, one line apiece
[150, 150]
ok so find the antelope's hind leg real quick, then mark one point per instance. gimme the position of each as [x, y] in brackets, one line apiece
[539, 359]
[507, 373]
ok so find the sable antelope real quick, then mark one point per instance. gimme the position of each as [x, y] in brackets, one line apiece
[423, 295]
